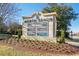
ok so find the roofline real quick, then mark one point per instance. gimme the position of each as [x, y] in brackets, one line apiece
[44, 14]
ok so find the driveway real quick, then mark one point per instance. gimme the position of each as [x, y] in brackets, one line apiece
[74, 41]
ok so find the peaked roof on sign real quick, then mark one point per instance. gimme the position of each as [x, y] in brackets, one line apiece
[40, 13]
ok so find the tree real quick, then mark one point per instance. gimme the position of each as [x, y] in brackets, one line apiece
[64, 16]
[13, 28]
[19, 33]
[1, 24]
[8, 11]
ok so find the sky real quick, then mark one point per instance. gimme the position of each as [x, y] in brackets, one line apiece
[75, 24]
[28, 8]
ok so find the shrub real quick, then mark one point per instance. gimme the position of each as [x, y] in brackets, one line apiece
[19, 33]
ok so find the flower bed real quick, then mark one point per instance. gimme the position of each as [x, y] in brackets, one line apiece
[45, 46]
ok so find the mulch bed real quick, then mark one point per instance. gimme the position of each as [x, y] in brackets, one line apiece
[41, 46]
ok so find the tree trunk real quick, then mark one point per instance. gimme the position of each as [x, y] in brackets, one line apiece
[62, 39]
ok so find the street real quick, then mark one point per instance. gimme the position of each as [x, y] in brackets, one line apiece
[74, 41]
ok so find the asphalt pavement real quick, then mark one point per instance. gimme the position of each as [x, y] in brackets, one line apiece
[74, 41]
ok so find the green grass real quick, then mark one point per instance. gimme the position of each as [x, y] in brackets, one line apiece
[10, 51]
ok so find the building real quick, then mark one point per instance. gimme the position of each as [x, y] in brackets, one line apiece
[41, 26]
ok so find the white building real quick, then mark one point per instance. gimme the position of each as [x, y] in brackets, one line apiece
[41, 26]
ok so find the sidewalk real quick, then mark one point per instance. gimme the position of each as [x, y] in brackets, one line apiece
[74, 42]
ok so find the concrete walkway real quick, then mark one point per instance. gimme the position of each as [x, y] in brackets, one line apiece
[74, 42]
